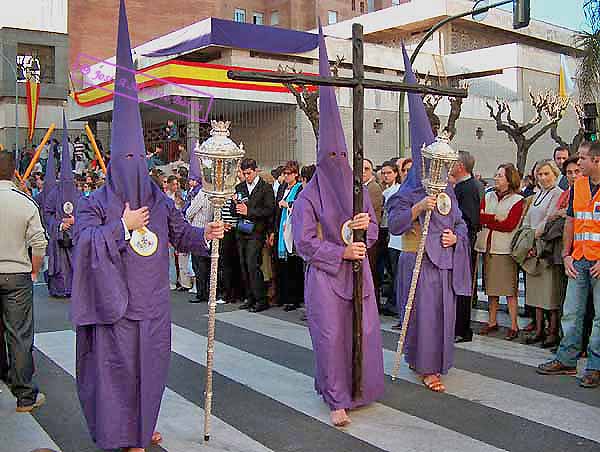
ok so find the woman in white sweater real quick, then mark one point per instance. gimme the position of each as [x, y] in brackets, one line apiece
[544, 289]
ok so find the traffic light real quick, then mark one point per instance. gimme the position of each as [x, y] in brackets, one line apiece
[590, 121]
[521, 13]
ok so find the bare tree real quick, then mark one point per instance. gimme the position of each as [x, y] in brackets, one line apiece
[308, 99]
[547, 103]
[431, 103]
[577, 139]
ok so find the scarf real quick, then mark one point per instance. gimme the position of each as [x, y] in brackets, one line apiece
[291, 197]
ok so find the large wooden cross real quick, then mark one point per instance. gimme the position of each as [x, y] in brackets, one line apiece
[358, 83]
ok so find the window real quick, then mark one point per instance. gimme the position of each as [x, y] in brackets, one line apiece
[35, 62]
[274, 17]
[353, 5]
[332, 17]
[239, 15]
[371, 5]
[258, 18]
[395, 2]
[362, 7]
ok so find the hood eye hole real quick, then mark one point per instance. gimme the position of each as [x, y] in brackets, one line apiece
[129, 156]
[343, 154]
[332, 154]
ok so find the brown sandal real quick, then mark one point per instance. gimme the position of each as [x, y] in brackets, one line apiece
[487, 329]
[433, 383]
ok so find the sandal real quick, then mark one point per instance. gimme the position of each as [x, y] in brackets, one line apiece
[433, 383]
[487, 329]
[591, 379]
[512, 335]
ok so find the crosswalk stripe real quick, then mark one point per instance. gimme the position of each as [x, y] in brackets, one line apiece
[563, 414]
[498, 348]
[20, 431]
[377, 424]
[180, 421]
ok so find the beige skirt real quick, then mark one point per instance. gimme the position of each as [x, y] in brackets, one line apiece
[500, 275]
[545, 290]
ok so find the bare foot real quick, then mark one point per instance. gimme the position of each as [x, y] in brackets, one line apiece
[433, 383]
[156, 438]
[339, 418]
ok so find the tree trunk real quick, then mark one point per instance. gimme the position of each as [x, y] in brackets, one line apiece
[522, 151]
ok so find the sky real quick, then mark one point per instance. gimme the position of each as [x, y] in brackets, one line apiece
[567, 13]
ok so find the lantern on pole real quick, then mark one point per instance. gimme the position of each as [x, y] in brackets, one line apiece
[437, 161]
[219, 160]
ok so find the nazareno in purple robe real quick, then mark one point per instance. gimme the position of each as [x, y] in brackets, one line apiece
[429, 346]
[121, 308]
[60, 251]
[120, 304]
[319, 213]
[328, 298]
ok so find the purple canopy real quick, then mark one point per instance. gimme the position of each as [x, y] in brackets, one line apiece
[263, 38]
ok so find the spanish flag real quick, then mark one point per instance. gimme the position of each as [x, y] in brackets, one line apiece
[566, 85]
[33, 100]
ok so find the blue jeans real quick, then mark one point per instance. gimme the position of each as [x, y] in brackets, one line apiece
[573, 313]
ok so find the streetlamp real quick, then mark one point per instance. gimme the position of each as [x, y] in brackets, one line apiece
[13, 67]
[219, 160]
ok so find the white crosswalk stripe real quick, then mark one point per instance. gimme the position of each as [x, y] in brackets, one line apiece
[20, 431]
[547, 409]
[180, 421]
[379, 425]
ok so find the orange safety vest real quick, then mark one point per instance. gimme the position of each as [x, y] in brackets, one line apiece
[586, 221]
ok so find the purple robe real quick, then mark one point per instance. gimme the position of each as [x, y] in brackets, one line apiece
[429, 346]
[121, 310]
[328, 297]
[60, 259]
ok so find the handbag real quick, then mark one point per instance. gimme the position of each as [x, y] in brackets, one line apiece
[245, 226]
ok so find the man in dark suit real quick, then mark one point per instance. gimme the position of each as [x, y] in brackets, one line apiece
[467, 191]
[561, 154]
[254, 202]
[376, 195]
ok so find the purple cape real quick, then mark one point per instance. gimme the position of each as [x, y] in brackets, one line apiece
[319, 212]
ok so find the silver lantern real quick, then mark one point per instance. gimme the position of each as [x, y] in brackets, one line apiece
[219, 160]
[437, 161]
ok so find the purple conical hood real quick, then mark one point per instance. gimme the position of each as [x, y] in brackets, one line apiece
[127, 174]
[195, 173]
[67, 192]
[50, 176]
[420, 127]
[333, 176]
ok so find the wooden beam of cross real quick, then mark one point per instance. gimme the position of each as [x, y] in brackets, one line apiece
[358, 83]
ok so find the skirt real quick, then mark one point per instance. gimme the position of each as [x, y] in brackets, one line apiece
[545, 290]
[500, 274]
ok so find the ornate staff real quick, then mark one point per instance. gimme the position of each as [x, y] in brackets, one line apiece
[437, 160]
[219, 160]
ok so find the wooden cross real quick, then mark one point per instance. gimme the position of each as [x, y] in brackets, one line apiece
[358, 83]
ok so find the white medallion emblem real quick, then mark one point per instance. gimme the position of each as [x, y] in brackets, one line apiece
[347, 233]
[144, 242]
[68, 208]
[444, 203]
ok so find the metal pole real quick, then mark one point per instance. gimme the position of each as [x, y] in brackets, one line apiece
[217, 203]
[439, 25]
[17, 157]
